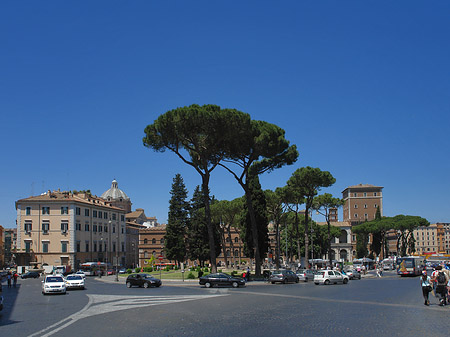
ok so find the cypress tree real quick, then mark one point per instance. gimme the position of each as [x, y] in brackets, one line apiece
[175, 246]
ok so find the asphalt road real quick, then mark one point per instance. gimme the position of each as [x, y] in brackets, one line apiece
[391, 305]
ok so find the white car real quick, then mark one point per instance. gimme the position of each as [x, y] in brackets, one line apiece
[53, 284]
[330, 277]
[74, 281]
[81, 273]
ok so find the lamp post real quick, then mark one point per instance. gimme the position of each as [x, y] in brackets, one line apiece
[117, 255]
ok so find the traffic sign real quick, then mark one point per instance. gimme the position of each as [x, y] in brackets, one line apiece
[160, 258]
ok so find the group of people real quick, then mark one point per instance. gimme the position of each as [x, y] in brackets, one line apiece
[11, 276]
[438, 282]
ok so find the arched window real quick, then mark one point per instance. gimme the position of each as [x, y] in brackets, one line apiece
[153, 241]
[145, 241]
[161, 241]
[236, 253]
[236, 240]
[343, 236]
[228, 239]
[145, 255]
[343, 255]
[228, 252]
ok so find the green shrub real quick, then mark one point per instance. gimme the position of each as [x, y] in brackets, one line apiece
[198, 269]
[191, 276]
[220, 271]
[148, 269]
[129, 271]
[234, 273]
[137, 270]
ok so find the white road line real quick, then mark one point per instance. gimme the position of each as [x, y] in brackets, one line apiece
[102, 304]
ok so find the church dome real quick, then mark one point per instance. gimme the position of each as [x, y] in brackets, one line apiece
[115, 193]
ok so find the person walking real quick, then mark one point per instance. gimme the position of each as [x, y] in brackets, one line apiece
[8, 278]
[425, 282]
[15, 276]
[441, 287]
[248, 274]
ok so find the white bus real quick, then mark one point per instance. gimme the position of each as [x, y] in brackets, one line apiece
[93, 268]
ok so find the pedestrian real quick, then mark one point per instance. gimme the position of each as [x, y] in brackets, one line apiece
[433, 279]
[248, 274]
[441, 287]
[15, 276]
[363, 268]
[425, 281]
[8, 278]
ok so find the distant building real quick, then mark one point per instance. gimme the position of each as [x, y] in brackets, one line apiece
[117, 197]
[426, 240]
[69, 228]
[2, 247]
[444, 236]
[10, 244]
[361, 203]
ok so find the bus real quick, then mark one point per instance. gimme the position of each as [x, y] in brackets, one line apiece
[410, 265]
[92, 268]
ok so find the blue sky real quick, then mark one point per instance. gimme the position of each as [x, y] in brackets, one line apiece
[361, 87]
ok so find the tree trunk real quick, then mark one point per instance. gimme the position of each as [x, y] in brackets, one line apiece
[277, 253]
[254, 229]
[224, 248]
[306, 236]
[212, 246]
[329, 242]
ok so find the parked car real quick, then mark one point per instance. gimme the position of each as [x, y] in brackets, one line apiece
[221, 279]
[30, 274]
[330, 277]
[142, 280]
[122, 271]
[352, 274]
[53, 284]
[283, 276]
[110, 272]
[74, 281]
[305, 275]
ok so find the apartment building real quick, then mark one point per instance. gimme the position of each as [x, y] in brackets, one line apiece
[443, 229]
[10, 244]
[427, 240]
[69, 228]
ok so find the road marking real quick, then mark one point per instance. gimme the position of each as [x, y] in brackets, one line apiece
[102, 304]
[342, 301]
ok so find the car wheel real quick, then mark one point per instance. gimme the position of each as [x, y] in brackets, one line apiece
[297, 280]
[327, 282]
[208, 285]
[284, 281]
[273, 282]
[316, 283]
[359, 277]
[234, 284]
[128, 284]
[345, 281]
[146, 285]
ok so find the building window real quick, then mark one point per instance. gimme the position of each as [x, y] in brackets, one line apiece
[365, 205]
[94, 229]
[28, 227]
[64, 227]
[87, 246]
[105, 215]
[78, 226]
[45, 247]
[27, 246]
[45, 210]
[86, 212]
[100, 214]
[106, 229]
[228, 252]
[86, 227]
[365, 194]
[374, 194]
[236, 239]
[365, 216]
[236, 253]
[64, 210]
[145, 241]
[94, 214]
[78, 247]
[122, 217]
[114, 246]
[28, 211]
[45, 227]
[95, 247]
[161, 241]
[77, 210]
[375, 205]
[114, 229]
[64, 247]
[100, 228]
[356, 216]
[154, 241]
[356, 206]
[145, 255]
[123, 230]
[114, 215]
[227, 239]
[123, 247]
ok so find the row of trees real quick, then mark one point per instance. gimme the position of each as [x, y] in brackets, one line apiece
[206, 137]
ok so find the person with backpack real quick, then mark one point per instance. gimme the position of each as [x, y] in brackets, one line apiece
[441, 280]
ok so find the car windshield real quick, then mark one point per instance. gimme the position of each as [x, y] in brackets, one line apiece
[322, 273]
[149, 277]
[54, 279]
[74, 277]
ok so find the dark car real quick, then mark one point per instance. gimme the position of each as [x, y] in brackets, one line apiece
[221, 279]
[142, 280]
[283, 276]
[30, 274]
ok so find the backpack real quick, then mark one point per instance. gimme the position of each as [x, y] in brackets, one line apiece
[441, 278]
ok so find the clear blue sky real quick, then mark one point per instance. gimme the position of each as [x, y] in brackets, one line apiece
[361, 87]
